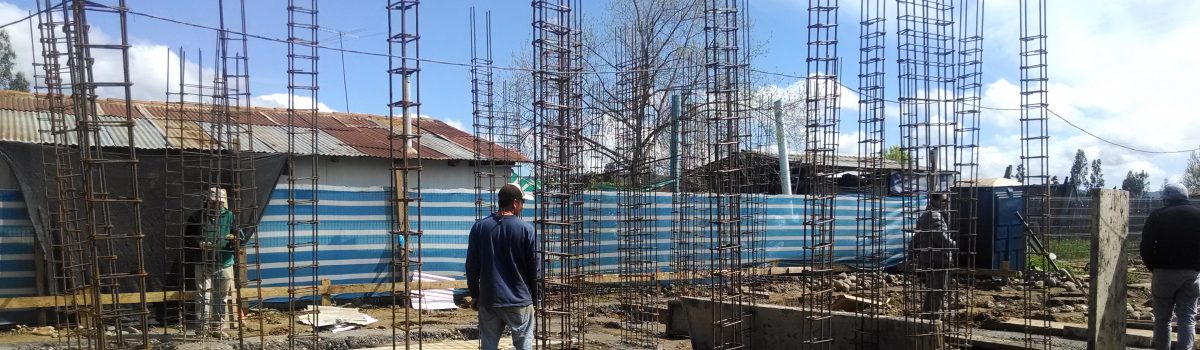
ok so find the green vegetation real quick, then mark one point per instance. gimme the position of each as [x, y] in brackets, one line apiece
[1072, 253]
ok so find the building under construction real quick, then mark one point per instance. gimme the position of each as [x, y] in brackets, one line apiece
[670, 209]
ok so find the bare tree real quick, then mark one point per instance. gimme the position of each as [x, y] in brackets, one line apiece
[634, 61]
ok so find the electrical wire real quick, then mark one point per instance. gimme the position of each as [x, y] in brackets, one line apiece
[26, 18]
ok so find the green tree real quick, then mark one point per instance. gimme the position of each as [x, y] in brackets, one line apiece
[1136, 183]
[1191, 175]
[896, 154]
[10, 79]
[1079, 171]
[1096, 178]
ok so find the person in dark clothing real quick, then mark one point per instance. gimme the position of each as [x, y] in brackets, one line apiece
[211, 239]
[1170, 248]
[934, 250]
[503, 269]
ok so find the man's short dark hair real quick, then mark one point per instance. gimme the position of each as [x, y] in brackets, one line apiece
[507, 194]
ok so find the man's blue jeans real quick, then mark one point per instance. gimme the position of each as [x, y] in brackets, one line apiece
[1175, 292]
[493, 319]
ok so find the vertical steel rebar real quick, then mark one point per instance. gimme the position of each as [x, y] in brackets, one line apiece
[968, 97]
[404, 86]
[107, 276]
[557, 105]
[63, 222]
[1035, 156]
[926, 70]
[303, 170]
[727, 123]
[870, 236]
[823, 106]
[230, 122]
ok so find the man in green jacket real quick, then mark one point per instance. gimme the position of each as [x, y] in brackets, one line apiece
[213, 239]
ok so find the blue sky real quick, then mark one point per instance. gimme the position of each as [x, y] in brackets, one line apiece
[1123, 71]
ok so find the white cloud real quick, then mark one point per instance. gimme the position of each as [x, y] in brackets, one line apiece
[280, 100]
[1117, 70]
[456, 124]
[150, 65]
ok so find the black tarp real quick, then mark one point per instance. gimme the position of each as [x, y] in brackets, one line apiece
[28, 165]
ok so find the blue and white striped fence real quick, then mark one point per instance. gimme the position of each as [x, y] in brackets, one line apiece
[16, 247]
[354, 242]
[354, 238]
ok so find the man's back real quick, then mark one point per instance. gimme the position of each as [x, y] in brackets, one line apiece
[1171, 238]
[502, 263]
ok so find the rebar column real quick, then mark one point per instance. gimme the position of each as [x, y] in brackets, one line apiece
[1035, 156]
[230, 122]
[57, 125]
[192, 161]
[727, 122]
[404, 86]
[636, 230]
[483, 118]
[823, 107]
[926, 71]
[303, 164]
[966, 110]
[109, 274]
[557, 99]
[870, 220]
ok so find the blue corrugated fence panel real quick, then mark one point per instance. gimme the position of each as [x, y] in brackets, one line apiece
[16, 247]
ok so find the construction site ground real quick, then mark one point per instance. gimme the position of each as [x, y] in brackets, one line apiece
[994, 299]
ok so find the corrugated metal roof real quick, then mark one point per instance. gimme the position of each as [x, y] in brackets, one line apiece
[15, 126]
[231, 136]
[145, 134]
[344, 134]
[184, 134]
[450, 149]
[276, 138]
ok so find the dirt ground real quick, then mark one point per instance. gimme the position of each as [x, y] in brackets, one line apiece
[993, 298]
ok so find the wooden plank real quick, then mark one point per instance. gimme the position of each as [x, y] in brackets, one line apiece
[326, 290]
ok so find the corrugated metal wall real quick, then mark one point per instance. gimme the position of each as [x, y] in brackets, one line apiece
[354, 239]
[16, 247]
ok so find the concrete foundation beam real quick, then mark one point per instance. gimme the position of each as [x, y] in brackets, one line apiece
[784, 327]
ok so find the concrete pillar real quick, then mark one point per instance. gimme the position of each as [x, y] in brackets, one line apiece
[1106, 297]
[785, 170]
[676, 113]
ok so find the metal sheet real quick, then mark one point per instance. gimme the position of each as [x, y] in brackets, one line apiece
[32, 127]
[185, 134]
[145, 134]
[450, 149]
[342, 134]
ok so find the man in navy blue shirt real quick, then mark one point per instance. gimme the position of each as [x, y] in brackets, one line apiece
[502, 271]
